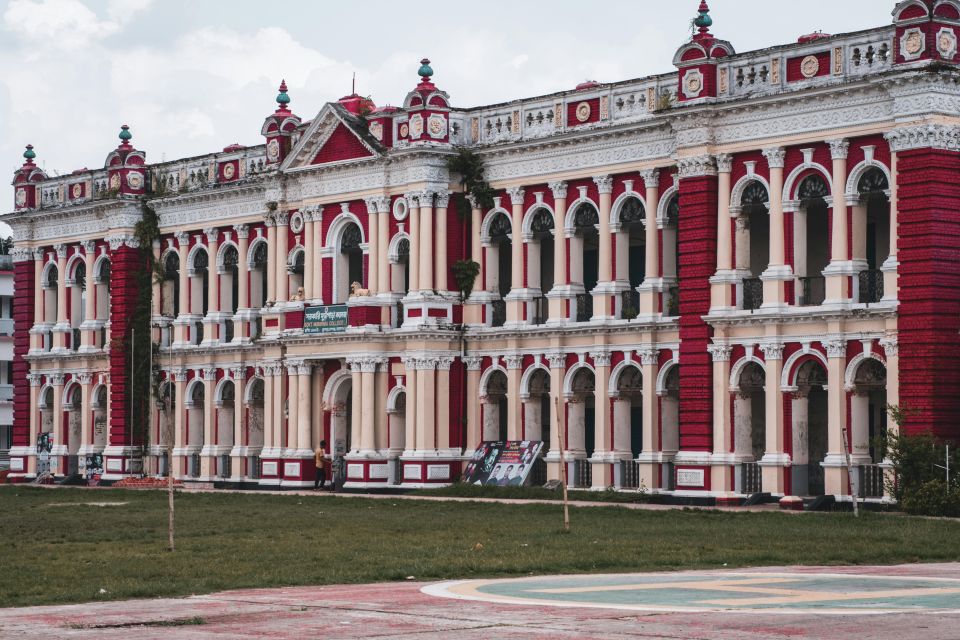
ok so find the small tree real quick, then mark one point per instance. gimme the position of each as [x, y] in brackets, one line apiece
[465, 272]
[920, 483]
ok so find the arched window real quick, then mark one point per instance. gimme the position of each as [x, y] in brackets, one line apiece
[229, 280]
[295, 269]
[585, 255]
[50, 285]
[102, 280]
[259, 275]
[871, 233]
[753, 242]
[170, 294]
[631, 255]
[540, 257]
[349, 261]
[811, 228]
[78, 298]
[199, 283]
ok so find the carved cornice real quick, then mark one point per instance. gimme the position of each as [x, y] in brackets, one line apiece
[929, 136]
[697, 166]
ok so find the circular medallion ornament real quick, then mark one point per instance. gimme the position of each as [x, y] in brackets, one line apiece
[400, 209]
[810, 66]
[115, 182]
[694, 84]
[21, 197]
[76, 191]
[947, 43]
[135, 181]
[436, 127]
[229, 171]
[296, 223]
[583, 111]
[914, 43]
[404, 130]
[273, 150]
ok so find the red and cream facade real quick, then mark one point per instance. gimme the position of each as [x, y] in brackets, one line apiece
[711, 272]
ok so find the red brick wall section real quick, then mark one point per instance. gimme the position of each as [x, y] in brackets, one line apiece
[23, 314]
[342, 145]
[697, 262]
[125, 261]
[929, 317]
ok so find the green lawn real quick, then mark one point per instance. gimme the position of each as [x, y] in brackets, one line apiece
[56, 549]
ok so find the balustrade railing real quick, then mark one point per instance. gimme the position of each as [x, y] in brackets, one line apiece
[629, 304]
[584, 307]
[871, 481]
[871, 286]
[75, 339]
[540, 311]
[752, 294]
[813, 291]
[672, 303]
[498, 309]
[629, 474]
[582, 474]
[752, 478]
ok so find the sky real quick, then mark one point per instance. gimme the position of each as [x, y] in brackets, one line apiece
[193, 76]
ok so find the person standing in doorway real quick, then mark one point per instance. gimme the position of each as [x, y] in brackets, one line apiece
[319, 460]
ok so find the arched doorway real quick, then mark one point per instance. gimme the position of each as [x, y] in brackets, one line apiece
[809, 419]
[195, 426]
[536, 407]
[100, 430]
[753, 243]
[339, 402]
[226, 408]
[871, 234]
[166, 424]
[811, 227]
[581, 422]
[78, 302]
[499, 265]
[493, 395]
[628, 411]
[670, 239]
[749, 426]
[540, 252]
[631, 257]
[585, 246]
[348, 261]
[73, 406]
[669, 397]
[259, 274]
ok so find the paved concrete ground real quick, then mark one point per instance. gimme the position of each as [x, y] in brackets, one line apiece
[404, 611]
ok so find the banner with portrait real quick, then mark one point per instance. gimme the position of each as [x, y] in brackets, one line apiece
[502, 464]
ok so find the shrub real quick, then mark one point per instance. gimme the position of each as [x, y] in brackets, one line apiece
[933, 498]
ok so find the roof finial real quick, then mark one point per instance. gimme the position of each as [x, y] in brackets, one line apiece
[426, 71]
[283, 99]
[703, 21]
[29, 155]
[353, 85]
[125, 135]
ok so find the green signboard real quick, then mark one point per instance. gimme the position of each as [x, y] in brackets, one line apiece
[332, 319]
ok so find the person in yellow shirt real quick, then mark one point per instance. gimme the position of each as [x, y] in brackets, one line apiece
[320, 461]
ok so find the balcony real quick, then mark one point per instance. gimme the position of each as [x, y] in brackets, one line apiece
[871, 286]
[498, 310]
[584, 307]
[752, 294]
[813, 291]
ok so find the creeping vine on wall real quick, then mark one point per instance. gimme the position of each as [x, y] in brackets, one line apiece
[471, 169]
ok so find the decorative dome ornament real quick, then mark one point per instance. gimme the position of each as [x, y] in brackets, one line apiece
[283, 99]
[125, 135]
[703, 21]
[30, 155]
[425, 71]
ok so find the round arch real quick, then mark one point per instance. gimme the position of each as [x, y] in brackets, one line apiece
[75, 260]
[850, 375]
[45, 392]
[252, 251]
[95, 395]
[526, 227]
[568, 226]
[485, 378]
[341, 222]
[665, 371]
[736, 194]
[292, 255]
[393, 249]
[394, 397]
[618, 370]
[488, 220]
[102, 261]
[792, 182]
[527, 377]
[221, 387]
[332, 388]
[791, 367]
[192, 256]
[222, 254]
[737, 370]
[856, 174]
[51, 266]
[617, 208]
[665, 199]
[68, 390]
[571, 374]
[189, 391]
[248, 390]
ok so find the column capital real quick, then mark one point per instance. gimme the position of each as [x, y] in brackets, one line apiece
[443, 199]
[304, 369]
[39, 255]
[238, 373]
[85, 377]
[775, 157]
[513, 361]
[651, 178]
[604, 183]
[601, 358]
[557, 360]
[836, 348]
[61, 250]
[35, 379]
[891, 345]
[696, 167]
[56, 379]
[372, 208]
[282, 218]
[928, 136]
[183, 239]
[242, 231]
[472, 362]
[445, 362]
[559, 189]
[720, 352]
[649, 355]
[724, 162]
[212, 234]
[209, 374]
[839, 148]
[413, 199]
[89, 247]
[772, 351]
[473, 201]
[516, 195]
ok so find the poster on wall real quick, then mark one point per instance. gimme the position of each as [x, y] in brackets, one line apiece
[502, 464]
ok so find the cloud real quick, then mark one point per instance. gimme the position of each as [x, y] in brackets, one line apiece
[68, 24]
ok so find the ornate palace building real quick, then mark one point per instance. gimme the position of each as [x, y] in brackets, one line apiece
[710, 273]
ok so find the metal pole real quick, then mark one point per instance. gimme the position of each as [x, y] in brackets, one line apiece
[853, 489]
[563, 467]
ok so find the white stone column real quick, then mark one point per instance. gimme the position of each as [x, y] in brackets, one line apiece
[722, 445]
[838, 271]
[88, 335]
[410, 421]
[515, 302]
[474, 424]
[426, 237]
[602, 460]
[210, 322]
[283, 235]
[62, 328]
[383, 231]
[177, 462]
[318, 258]
[775, 460]
[272, 261]
[413, 266]
[835, 474]
[368, 368]
[373, 246]
[293, 409]
[514, 403]
[724, 281]
[652, 282]
[310, 254]
[239, 375]
[778, 272]
[443, 213]
[891, 264]
[603, 305]
[208, 459]
[561, 287]
[304, 409]
[86, 413]
[181, 325]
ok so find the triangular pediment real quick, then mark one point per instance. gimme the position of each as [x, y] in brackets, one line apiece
[335, 135]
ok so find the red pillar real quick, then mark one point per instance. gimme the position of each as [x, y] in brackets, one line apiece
[23, 316]
[125, 262]
[697, 262]
[929, 314]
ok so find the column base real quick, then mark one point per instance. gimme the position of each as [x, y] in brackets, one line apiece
[368, 471]
[121, 462]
